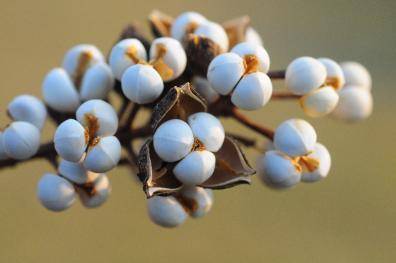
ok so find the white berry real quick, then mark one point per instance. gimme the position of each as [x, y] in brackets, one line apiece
[335, 75]
[356, 75]
[183, 22]
[28, 108]
[253, 37]
[202, 198]
[247, 48]
[214, 32]
[321, 154]
[319, 102]
[76, 173]
[103, 156]
[97, 82]
[101, 192]
[166, 211]
[70, 140]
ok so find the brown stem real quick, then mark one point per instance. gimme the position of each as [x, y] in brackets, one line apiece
[277, 74]
[284, 95]
[239, 116]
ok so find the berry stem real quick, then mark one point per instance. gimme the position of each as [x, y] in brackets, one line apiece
[280, 95]
[240, 117]
[276, 74]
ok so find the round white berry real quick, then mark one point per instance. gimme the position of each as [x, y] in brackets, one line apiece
[202, 198]
[101, 192]
[356, 75]
[253, 37]
[225, 71]
[173, 140]
[70, 140]
[103, 156]
[97, 82]
[3, 154]
[55, 193]
[166, 211]
[21, 140]
[76, 173]
[59, 92]
[72, 59]
[195, 168]
[28, 108]
[305, 74]
[214, 32]
[246, 48]
[183, 22]
[100, 111]
[319, 102]
[321, 154]
[142, 84]
[203, 87]
[252, 92]
[335, 75]
[175, 56]
[208, 130]
[124, 54]
[295, 137]
[355, 104]
[277, 170]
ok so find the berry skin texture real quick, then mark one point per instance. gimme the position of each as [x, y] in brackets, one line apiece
[124, 54]
[28, 108]
[76, 173]
[252, 92]
[277, 170]
[319, 102]
[215, 32]
[356, 75]
[97, 82]
[225, 71]
[59, 92]
[335, 75]
[305, 74]
[142, 84]
[203, 87]
[21, 140]
[104, 156]
[195, 168]
[182, 23]
[104, 113]
[208, 130]
[247, 48]
[295, 137]
[101, 189]
[203, 198]
[355, 104]
[253, 37]
[70, 140]
[321, 154]
[173, 140]
[55, 193]
[175, 57]
[166, 211]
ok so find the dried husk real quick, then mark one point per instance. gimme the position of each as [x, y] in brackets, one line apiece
[134, 31]
[178, 103]
[236, 29]
[160, 23]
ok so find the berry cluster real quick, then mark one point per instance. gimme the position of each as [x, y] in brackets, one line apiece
[192, 73]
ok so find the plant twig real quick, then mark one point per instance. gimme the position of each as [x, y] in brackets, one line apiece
[277, 74]
[240, 117]
[284, 95]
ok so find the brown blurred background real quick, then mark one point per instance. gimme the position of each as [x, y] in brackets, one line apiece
[349, 217]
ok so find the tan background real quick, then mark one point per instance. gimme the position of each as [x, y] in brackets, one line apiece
[349, 217]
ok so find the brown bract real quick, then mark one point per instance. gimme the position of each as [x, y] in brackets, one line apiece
[160, 23]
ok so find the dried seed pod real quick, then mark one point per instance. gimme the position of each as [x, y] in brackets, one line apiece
[305, 74]
[356, 75]
[142, 84]
[186, 23]
[59, 92]
[246, 48]
[3, 154]
[97, 82]
[252, 92]
[197, 200]
[335, 75]
[99, 117]
[319, 102]
[124, 54]
[166, 211]
[295, 137]
[225, 71]
[278, 170]
[215, 32]
[236, 29]
[168, 58]
[104, 155]
[21, 140]
[355, 104]
[195, 168]
[70, 140]
[55, 193]
[28, 108]
[173, 140]
[208, 130]
[253, 37]
[322, 155]
[97, 193]
[160, 23]
[76, 172]
[203, 87]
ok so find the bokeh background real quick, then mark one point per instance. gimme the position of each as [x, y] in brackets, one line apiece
[349, 217]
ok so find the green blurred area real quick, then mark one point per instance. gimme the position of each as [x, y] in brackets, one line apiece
[349, 217]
